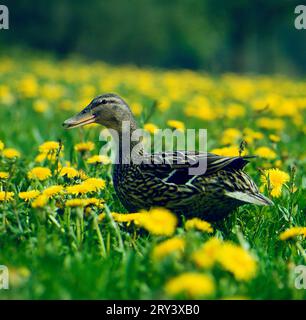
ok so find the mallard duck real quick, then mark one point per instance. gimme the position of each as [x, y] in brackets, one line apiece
[212, 195]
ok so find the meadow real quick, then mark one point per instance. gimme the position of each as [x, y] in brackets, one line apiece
[64, 233]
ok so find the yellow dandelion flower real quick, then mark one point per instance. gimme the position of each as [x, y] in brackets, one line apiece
[84, 146]
[41, 157]
[49, 146]
[179, 125]
[237, 261]
[150, 127]
[101, 217]
[230, 136]
[40, 173]
[250, 135]
[126, 217]
[206, 256]
[11, 153]
[275, 179]
[158, 221]
[81, 188]
[271, 124]
[265, 152]
[293, 232]
[4, 175]
[82, 175]
[231, 151]
[234, 111]
[28, 86]
[96, 183]
[274, 138]
[99, 159]
[6, 196]
[75, 203]
[69, 172]
[40, 201]
[53, 190]
[167, 247]
[99, 203]
[163, 105]
[40, 106]
[198, 224]
[29, 195]
[192, 284]
[136, 108]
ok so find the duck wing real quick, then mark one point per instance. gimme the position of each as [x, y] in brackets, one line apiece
[174, 167]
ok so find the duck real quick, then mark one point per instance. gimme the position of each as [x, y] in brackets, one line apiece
[143, 183]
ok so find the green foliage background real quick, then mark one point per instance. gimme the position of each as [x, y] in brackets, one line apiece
[216, 35]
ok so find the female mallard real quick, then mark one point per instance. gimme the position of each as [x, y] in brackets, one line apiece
[212, 195]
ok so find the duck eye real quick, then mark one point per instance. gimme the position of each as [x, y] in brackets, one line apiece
[103, 101]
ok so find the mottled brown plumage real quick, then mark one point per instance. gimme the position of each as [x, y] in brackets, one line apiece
[165, 180]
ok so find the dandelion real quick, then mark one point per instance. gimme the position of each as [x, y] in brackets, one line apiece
[230, 136]
[274, 138]
[28, 86]
[167, 247]
[231, 151]
[4, 175]
[234, 111]
[99, 159]
[293, 232]
[29, 195]
[275, 179]
[53, 190]
[250, 135]
[40, 173]
[158, 221]
[179, 125]
[271, 124]
[265, 152]
[237, 261]
[40, 106]
[99, 203]
[190, 283]
[84, 146]
[81, 188]
[96, 183]
[136, 108]
[41, 157]
[6, 196]
[82, 175]
[75, 203]
[198, 224]
[206, 256]
[69, 172]
[40, 201]
[49, 146]
[101, 217]
[127, 217]
[11, 153]
[150, 127]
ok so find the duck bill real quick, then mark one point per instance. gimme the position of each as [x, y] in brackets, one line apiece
[79, 120]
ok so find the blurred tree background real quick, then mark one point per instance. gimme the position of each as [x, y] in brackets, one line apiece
[214, 35]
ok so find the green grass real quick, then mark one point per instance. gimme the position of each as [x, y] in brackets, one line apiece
[49, 259]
